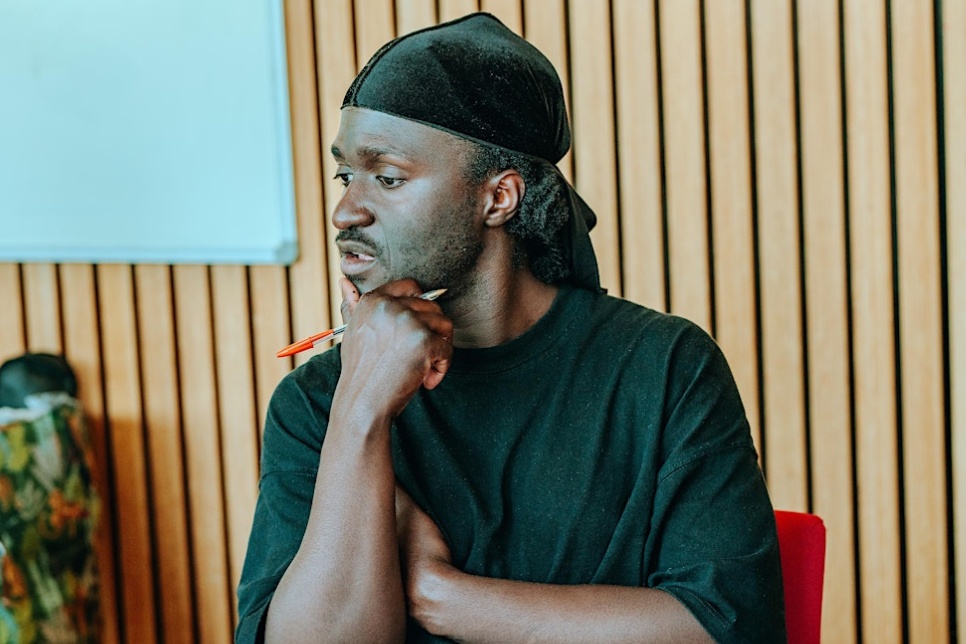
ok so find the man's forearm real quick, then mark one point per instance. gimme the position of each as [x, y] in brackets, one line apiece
[344, 583]
[468, 608]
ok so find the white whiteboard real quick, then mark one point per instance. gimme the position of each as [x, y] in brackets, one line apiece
[151, 131]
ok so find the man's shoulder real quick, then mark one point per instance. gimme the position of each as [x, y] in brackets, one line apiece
[648, 327]
[317, 371]
[611, 335]
[295, 422]
[310, 383]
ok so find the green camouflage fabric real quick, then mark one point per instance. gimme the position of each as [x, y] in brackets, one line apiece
[48, 514]
[8, 625]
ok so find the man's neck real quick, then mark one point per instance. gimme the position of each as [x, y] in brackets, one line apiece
[500, 308]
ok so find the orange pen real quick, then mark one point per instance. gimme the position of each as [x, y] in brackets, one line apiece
[314, 340]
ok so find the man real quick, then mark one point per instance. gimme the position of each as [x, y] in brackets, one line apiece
[526, 459]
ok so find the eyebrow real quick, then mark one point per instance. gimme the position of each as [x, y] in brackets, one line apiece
[370, 153]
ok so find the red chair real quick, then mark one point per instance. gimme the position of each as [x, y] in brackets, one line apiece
[801, 544]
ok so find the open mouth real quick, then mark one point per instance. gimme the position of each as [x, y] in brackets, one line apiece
[358, 253]
[355, 263]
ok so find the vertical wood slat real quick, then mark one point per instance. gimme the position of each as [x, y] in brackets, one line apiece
[82, 347]
[827, 322]
[954, 94]
[545, 25]
[452, 9]
[236, 409]
[270, 332]
[42, 307]
[779, 252]
[335, 58]
[155, 318]
[374, 27]
[732, 221]
[414, 14]
[684, 159]
[920, 320]
[639, 152]
[308, 277]
[199, 411]
[510, 12]
[128, 456]
[13, 341]
[870, 228]
[593, 124]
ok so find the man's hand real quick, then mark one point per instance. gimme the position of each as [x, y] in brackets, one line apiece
[395, 343]
[425, 558]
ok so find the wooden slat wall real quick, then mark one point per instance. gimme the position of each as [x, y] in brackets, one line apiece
[827, 298]
[873, 329]
[128, 458]
[639, 153]
[732, 212]
[779, 249]
[917, 234]
[162, 420]
[791, 174]
[952, 26]
[592, 115]
[82, 345]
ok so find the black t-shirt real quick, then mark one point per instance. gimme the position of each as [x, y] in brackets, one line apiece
[605, 445]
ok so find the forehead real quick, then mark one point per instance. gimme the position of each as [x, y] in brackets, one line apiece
[364, 132]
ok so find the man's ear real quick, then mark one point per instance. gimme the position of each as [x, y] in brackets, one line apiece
[504, 193]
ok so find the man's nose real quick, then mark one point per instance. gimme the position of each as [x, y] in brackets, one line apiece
[351, 212]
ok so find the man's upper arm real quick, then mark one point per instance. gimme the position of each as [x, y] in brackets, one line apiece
[289, 465]
[280, 517]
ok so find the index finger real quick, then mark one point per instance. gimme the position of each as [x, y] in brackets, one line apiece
[407, 287]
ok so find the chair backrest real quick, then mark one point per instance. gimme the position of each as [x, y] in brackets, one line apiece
[801, 543]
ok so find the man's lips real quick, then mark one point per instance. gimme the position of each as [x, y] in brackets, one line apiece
[359, 256]
[355, 247]
[353, 264]
[356, 257]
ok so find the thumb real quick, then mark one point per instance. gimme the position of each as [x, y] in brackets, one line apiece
[350, 297]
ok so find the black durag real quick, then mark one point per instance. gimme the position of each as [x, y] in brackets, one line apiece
[478, 80]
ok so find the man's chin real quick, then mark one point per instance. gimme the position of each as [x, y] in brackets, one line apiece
[365, 283]
[362, 284]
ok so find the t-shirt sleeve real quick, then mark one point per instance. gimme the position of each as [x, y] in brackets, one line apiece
[289, 463]
[713, 528]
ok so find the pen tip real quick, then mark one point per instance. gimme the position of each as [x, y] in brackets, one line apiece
[432, 295]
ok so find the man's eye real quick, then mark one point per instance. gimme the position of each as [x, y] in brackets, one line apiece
[344, 177]
[389, 182]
